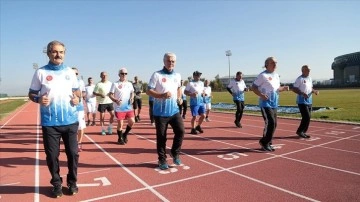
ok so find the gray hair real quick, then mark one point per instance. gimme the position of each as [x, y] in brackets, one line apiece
[52, 44]
[268, 60]
[169, 54]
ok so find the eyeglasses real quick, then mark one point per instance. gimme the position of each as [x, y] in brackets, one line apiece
[77, 73]
[123, 73]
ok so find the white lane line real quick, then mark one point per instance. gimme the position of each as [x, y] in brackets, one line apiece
[147, 186]
[9, 184]
[87, 172]
[222, 169]
[37, 157]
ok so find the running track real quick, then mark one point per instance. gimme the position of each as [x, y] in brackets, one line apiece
[222, 164]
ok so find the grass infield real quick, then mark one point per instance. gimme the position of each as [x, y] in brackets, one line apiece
[346, 102]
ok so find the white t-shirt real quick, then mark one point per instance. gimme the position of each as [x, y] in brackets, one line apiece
[237, 88]
[122, 91]
[268, 84]
[207, 97]
[163, 82]
[90, 97]
[305, 85]
[196, 86]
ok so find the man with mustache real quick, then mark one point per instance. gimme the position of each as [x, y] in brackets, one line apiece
[56, 88]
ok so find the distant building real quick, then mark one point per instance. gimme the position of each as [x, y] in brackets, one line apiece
[346, 69]
[248, 79]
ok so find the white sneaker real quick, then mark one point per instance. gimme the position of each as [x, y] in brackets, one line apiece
[207, 119]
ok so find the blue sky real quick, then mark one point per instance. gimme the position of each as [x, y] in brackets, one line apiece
[107, 35]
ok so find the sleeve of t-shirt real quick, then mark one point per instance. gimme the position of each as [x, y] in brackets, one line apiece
[35, 85]
[297, 82]
[96, 88]
[231, 84]
[112, 88]
[259, 80]
[152, 81]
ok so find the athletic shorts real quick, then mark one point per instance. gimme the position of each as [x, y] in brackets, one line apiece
[105, 107]
[81, 119]
[197, 110]
[137, 103]
[91, 107]
[207, 106]
[124, 115]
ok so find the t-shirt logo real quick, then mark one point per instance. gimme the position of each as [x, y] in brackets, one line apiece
[49, 78]
[163, 80]
[120, 86]
[304, 81]
[270, 78]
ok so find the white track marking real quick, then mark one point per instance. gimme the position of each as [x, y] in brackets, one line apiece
[147, 186]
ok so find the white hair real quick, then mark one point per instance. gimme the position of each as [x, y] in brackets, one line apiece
[169, 54]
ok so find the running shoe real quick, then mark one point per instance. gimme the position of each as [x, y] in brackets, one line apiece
[109, 130]
[198, 128]
[57, 191]
[176, 159]
[163, 165]
[73, 189]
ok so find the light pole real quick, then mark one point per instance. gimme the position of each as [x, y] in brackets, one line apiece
[228, 54]
[45, 52]
[35, 66]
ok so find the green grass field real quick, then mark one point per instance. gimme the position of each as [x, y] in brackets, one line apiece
[7, 106]
[346, 102]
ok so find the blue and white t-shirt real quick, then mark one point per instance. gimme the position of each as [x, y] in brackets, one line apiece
[58, 83]
[183, 96]
[207, 96]
[237, 89]
[122, 91]
[305, 85]
[151, 98]
[268, 84]
[196, 86]
[162, 82]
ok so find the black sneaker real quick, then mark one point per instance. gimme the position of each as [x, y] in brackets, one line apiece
[125, 138]
[303, 135]
[266, 147]
[238, 124]
[120, 138]
[271, 147]
[57, 191]
[193, 131]
[198, 128]
[138, 117]
[73, 189]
